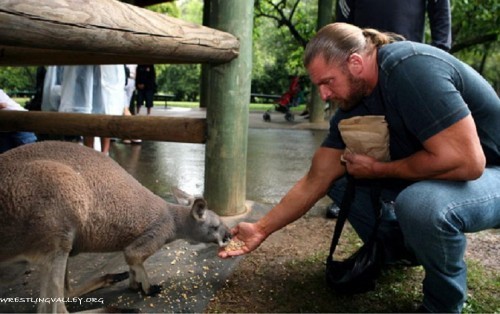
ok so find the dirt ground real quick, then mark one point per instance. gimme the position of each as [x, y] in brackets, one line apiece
[267, 281]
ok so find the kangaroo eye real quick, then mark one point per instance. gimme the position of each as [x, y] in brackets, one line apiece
[214, 228]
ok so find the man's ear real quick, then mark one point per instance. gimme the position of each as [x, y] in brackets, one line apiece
[355, 64]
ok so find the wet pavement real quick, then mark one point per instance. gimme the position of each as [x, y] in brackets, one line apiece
[279, 154]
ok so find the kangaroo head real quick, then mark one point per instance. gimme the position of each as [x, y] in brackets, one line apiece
[206, 225]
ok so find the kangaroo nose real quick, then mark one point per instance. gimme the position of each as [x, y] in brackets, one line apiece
[227, 237]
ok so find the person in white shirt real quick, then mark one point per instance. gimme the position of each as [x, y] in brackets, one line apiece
[9, 140]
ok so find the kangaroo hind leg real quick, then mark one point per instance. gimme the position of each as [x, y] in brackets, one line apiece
[52, 275]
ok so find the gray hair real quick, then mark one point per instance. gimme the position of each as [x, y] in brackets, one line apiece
[337, 41]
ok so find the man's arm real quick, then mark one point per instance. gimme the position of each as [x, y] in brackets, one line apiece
[452, 154]
[439, 15]
[325, 168]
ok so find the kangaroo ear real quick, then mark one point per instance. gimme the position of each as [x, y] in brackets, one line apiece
[199, 208]
[182, 197]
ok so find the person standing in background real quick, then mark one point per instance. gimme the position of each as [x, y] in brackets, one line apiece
[145, 83]
[406, 18]
[130, 70]
[96, 89]
[35, 103]
[51, 98]
[9, 140]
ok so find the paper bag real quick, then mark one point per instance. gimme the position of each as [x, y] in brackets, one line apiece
[367, 135]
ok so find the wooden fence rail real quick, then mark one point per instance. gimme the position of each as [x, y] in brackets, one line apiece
[58, 32]
[169, 129]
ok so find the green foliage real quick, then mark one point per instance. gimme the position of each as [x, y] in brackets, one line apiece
[168, 8]
[181, 80]
[475, 34]
[17, 78]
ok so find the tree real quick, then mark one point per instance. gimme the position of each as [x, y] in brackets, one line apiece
[475, 41]
[281, 29]
[17, 78]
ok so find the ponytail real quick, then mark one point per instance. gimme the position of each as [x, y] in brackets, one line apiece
[337, 41]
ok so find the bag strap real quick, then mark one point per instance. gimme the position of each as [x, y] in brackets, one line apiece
[345, 207]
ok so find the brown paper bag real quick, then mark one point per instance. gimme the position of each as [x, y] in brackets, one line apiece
[367, 135]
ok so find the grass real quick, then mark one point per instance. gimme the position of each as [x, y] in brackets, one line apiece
[398, 290]
[298, 286]
[252, 106]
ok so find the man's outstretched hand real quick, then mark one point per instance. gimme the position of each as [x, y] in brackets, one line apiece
[246, 238]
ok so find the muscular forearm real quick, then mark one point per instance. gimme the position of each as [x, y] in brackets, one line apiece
[453, 154]
[325, 168]
[424, 165]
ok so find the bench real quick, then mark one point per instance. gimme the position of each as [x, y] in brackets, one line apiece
[22, 93]
[163, 97]
[254, 96]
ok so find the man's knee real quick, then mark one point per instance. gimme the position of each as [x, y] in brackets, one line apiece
[420, 208]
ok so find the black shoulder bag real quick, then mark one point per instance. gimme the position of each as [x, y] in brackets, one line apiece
[358, 273]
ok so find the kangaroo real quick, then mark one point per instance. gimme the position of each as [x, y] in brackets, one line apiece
[58, 199]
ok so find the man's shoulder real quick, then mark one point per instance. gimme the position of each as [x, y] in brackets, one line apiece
[394, 54]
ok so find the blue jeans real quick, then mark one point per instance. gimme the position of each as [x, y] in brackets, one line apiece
[432, 217]
[9, 140]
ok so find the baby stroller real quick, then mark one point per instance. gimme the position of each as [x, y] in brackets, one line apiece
[291, 98]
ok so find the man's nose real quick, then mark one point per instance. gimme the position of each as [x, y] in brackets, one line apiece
[324, 92]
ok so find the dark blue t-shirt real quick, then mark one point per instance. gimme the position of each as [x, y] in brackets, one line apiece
[421, 91]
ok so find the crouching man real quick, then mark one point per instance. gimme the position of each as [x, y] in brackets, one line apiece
[443, 178]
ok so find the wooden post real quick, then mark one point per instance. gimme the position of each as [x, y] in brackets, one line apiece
[317, 108]
[61, 32]
[226, 148]
[170, 129]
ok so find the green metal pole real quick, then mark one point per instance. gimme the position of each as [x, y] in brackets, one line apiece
[227, 112]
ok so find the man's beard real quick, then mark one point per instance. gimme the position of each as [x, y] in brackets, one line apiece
[358, 89]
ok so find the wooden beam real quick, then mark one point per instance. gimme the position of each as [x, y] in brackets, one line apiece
[105, 31]
[169, 129]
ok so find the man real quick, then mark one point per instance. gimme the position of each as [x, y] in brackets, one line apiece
[145, 83]
[406, 18]
[444, 173]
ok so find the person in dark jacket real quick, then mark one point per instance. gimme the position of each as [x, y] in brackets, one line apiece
[145, 84]
[406, 18]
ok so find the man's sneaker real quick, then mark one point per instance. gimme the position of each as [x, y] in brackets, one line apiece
[136, 141]
[126, 141]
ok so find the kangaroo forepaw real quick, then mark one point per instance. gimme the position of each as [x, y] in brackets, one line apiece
[154, 290]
